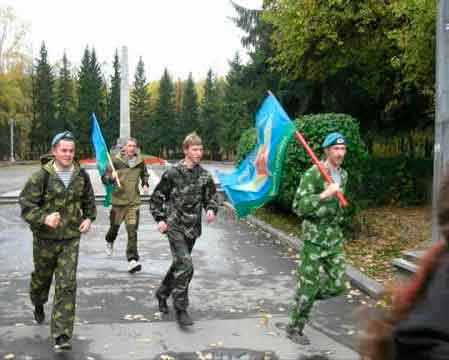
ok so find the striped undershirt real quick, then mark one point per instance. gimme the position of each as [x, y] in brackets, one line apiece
[65, 175]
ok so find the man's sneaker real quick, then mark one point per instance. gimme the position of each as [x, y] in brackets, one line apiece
[109, 248]
[62, 342]
[296, 335]
[163, 307]
[134, 266]
[39, 314]
[183, 318]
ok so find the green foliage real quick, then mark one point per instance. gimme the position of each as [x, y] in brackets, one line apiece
[248, 141]
[140, 106]
[416, 144]
[65, 98]
[163, 137]
[235, 115]
[111, 131]
[91, 99]
[249, 21]
[364, 57]
[396, 180]
[210, 116]
[44, 125]
[189, 120]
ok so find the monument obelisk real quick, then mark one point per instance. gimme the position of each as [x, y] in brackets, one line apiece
[125, 126]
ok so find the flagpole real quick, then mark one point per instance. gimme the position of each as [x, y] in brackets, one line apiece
[341, 198]
[113, 169]
[321, 168]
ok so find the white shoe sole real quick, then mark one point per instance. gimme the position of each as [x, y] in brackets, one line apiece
[135, 269]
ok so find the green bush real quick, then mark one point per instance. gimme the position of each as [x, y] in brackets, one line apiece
[396, 180]
[247, 141]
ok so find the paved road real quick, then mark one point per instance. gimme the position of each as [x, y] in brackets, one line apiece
[242, 285]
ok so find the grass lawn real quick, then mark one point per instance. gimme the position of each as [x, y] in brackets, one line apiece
[385, 232]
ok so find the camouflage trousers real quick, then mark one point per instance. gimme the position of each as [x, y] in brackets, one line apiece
[310, 285]
[129, 214]
[58, 258]
[176, 281]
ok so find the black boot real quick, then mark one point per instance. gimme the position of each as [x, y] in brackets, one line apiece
[62, 342]
[296, 335]
[163, 307]
[39, 314]
[183, 318]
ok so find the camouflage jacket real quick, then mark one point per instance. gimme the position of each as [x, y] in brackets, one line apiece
[44, 193]
[128, 193]
[180, 196]
[321, 218]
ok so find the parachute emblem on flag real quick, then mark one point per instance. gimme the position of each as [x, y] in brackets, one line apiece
[256, 180]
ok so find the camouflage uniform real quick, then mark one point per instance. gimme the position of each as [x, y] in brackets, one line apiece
[323, 245]
[126, 200]
[55, 251]
[178, 200]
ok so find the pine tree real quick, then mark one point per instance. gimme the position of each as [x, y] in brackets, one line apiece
[235, 115]
[65, 97]
[91, 99]
[210, 116]
[140, 107]
[179, 94]
[189, 109]
[44, 125]
[112, 130]
[164, 121]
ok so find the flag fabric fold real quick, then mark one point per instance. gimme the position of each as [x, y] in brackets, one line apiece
[102, 157]
[256, 180]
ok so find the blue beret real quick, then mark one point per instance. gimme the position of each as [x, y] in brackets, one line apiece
[61, 136]
[334, 138]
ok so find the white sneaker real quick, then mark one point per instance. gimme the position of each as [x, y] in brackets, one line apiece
[109, 248]
[134, 266]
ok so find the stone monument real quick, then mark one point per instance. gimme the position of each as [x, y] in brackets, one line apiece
[125, 126]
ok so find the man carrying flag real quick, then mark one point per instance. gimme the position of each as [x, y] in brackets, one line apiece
[316, 204]
[126, 195]
[319, 201]
[128, 167]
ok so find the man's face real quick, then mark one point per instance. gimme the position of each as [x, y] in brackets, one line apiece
[64, 152]
[194, 153]
[336, 154]
[130, 148]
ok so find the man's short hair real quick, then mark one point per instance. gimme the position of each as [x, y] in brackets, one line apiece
[134, 140]
[191, 139]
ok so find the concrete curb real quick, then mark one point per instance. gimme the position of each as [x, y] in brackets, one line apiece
[18, 162]
[356, 277]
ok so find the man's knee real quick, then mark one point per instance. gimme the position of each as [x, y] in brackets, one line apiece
[184, 266]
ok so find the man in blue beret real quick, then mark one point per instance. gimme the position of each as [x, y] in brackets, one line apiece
[58, 203]
[316, 204]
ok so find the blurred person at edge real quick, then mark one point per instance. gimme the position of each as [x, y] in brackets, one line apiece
[417, 325]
